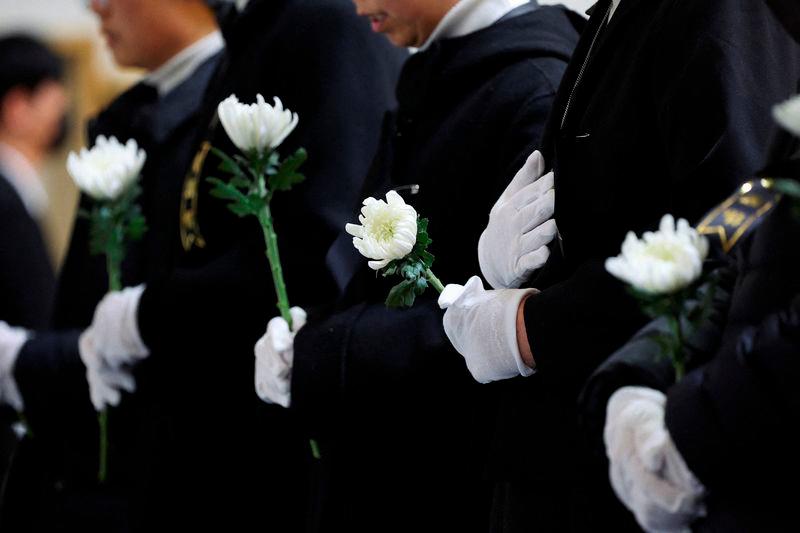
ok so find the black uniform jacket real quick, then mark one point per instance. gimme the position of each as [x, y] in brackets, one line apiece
[221, 448]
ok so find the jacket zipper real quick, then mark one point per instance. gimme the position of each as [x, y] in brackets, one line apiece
[583, 66]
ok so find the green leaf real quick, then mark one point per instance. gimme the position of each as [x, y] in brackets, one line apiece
[788, 187]
[286, 176]
[136, 227]
[401, 295]
[427, 258]
[225, 190]
[227, 163]
[240, 210]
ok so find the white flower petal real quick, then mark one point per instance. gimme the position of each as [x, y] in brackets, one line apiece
[256, 127]
[787, 114]
[661, 262]
[388, 230]
[108, 169]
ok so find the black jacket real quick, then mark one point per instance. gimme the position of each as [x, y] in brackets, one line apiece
[221, 448]
[54, 484]
[401, 423]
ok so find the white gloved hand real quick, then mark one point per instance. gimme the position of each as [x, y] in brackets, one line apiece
[647, 472]
[482, 327]
[521, 225]
[115, 329]
[11, 341]
[274, 358]
[105, 381]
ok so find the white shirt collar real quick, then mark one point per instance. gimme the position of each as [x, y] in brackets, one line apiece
[24, 179]
[469, 16]
[184, 63]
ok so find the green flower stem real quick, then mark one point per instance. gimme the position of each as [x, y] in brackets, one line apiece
[676, 352]
[315, 453]
[271, 238]
[434, 281]
[677, 360]
[114, 274]
[114, 269]
[102, 420]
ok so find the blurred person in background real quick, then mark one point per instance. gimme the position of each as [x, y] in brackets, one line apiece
[32, 108]
[33, 104]
[52, 484]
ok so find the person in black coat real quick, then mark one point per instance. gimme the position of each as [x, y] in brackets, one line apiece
[32, 108]
[401, 427]
[210, 443]
[728, 420]
[664, 109]
[53, 484]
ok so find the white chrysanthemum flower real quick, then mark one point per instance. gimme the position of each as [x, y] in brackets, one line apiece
[787, 114]
[388, 230]
[256, 127]
[661, 262]
[108, 169]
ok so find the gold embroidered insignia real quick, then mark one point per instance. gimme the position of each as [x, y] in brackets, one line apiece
[189, 227]
[739, 214]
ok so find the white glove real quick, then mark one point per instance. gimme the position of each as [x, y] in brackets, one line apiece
[647, 472]
[274, 358]
[105, 381]
[11, 342]
[110, 344]
[521, 225]
[115, 330]
[482, 327]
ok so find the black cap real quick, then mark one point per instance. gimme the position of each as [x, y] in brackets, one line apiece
[26, 62]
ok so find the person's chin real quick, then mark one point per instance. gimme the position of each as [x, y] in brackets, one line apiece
[400, 39]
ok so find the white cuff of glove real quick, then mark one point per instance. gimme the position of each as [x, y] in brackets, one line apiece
[11, 342]
[646, 469]
[115, 328]
[482, 327]
[275, 357]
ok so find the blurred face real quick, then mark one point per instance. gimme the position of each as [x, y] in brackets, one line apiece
[404, 22]
[35, 116]
[138, 32]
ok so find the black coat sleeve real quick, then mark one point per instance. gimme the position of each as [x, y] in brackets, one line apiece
[732, 419]
[52, 381]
